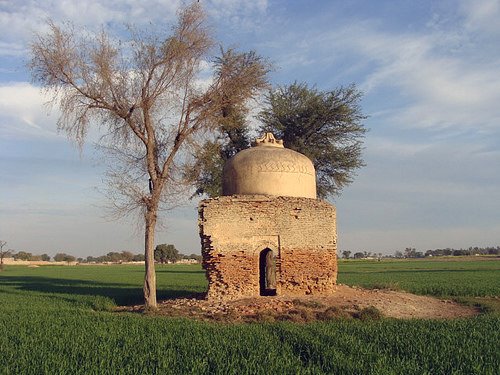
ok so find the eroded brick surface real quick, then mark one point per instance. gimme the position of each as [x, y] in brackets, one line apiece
[301, 232]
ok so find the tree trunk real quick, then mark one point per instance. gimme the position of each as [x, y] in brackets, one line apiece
[150, 276]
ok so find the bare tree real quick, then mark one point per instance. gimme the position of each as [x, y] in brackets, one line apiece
[147, 93]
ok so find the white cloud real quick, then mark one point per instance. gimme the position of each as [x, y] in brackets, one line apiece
[240, 15]
[236, 8]
[439, 76]
[12, 49]
[20, 20]
[23, 112]
[433, 161]
[442, 91]
[482, 15]
[396, 148]
[27, 113]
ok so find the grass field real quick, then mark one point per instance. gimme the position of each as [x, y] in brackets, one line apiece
[57, 320]
[467, 277]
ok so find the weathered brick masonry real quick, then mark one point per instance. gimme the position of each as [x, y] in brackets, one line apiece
[300, 232]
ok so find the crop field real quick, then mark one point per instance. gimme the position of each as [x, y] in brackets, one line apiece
[59, 320]
[440, 277]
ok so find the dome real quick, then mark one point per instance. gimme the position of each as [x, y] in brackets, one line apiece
[269, 169]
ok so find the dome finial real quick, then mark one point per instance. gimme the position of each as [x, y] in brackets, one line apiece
[268, 140]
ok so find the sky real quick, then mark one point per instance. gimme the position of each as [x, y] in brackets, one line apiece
[430, 73]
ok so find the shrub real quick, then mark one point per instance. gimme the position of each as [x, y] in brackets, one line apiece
[369, 313]
[332, 312]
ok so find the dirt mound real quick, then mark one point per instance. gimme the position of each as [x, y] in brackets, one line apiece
[347, 302]
[402, 305]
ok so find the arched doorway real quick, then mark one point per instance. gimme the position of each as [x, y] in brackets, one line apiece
[267, 270]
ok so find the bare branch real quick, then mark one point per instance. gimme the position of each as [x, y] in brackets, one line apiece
[143, 93]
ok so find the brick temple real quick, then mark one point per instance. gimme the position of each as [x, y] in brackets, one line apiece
[268, 235]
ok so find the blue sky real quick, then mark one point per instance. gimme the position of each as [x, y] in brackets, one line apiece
[430, 71]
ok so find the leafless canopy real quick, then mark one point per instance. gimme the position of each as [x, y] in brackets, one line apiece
[149, 97]
[146, 92]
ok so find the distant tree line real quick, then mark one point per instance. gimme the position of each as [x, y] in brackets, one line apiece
[411, 252]
[27, 256]
[63, 257]
[24, 255]
[167, 253]
[361, 255]
[164, 253]
[114, 257]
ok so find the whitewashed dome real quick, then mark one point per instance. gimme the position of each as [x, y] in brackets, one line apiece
[269, 169]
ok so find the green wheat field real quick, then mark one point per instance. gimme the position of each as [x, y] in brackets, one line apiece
[59, 320]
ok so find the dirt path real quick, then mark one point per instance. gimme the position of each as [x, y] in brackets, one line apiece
[401, 304]
[347, 302]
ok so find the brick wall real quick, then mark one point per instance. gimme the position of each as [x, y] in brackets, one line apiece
[301, 232]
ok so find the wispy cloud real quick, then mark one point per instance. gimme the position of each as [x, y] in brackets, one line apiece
[441, 90]
[12, 49]
[482, 15]
[224, 8]
[20, 20]
[23, 113]
[439, 75]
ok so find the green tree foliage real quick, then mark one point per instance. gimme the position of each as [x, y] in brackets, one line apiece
[23, 255]
[230, 137]
[489, 250]
[411, 252]
[346, 254]
[63, 257]
[116, 257]
[323, 125]
[196, 257]
[127, 256]
[138, 258]
[59, 257]
[166, 253]
[206, 173]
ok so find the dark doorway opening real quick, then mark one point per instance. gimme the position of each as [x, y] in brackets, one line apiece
[267, 269]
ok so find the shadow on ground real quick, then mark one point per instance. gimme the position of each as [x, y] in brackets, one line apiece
[64, 289]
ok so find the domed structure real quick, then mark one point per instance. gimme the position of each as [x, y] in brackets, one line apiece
[269, 169]
[268, 235]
